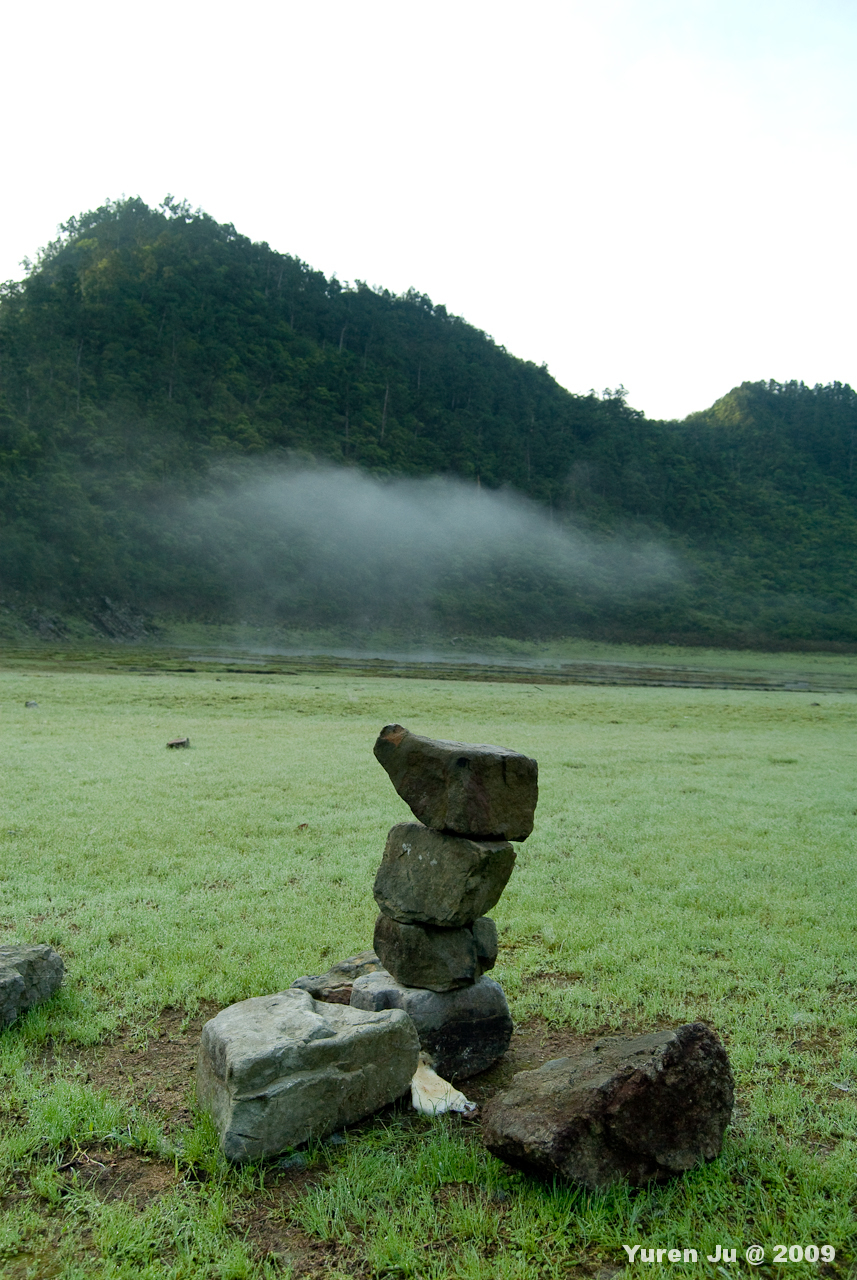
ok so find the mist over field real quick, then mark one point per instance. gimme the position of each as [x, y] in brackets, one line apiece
[327, 545]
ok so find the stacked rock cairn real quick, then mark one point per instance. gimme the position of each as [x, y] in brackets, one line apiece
[438, 879]
[276, 1070]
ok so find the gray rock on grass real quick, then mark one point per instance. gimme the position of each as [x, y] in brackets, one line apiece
[29, 974]
[473, 790]
[277, 1070]
[643, 1108]
[463, 1032]
[11, 995]
[422, 955]
[429, 877]
[334, 987]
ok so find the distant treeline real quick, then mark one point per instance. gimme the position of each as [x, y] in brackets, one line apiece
[148, 351]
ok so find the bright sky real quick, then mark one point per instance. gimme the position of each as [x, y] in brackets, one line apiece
[659, 193]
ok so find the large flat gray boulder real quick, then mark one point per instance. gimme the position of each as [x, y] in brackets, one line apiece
[430, 877]
[642, 1108]
[481, 791]
[29, 974]
[422, 955]
[463, 1032]
[277, 1070]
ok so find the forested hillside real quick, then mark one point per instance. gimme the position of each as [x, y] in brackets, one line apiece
[148, 352]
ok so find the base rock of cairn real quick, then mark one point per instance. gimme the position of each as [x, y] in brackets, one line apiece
[463, 1032]
[642, 1108]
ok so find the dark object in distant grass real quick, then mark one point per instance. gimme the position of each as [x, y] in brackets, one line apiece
[463, 1032]
[474, 790]
[179, 742]
[28, 975]
[334, 987]
[643, 1108]
[31, 704]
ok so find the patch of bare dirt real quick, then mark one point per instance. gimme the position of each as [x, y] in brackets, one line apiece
[122, 1175]
[267, 1229]
[823, 1045]
[822, 1040]
[155, 1069]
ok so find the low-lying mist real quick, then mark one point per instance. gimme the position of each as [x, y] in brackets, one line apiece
[316, 545]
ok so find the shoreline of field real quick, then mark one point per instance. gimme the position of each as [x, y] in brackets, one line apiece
[596, 665]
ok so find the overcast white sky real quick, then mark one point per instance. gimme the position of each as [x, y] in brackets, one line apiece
[654, 192]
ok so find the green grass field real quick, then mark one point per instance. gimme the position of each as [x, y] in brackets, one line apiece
[694, 858]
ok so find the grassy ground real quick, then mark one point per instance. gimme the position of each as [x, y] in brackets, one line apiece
[693, 859]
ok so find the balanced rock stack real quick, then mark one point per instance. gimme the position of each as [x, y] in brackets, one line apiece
[276, 1070]
[438, 878]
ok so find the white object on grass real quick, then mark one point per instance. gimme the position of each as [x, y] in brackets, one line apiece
[432, 1096]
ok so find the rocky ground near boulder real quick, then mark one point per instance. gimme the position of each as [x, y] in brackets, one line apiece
[154, 1067]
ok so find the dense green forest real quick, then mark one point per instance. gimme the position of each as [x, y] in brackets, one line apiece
[155, 359]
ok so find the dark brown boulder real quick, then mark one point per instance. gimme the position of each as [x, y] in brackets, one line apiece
[643, 1108]
[430, 877]
[422, 955]
[481, 791]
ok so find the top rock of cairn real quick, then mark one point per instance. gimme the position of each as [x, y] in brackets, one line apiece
[477, 791]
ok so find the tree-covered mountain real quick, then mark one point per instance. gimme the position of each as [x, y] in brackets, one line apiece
[148, 351]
